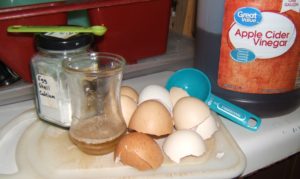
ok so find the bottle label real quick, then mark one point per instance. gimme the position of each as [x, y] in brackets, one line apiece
[47, 90]
[61, 35]
[260, 47]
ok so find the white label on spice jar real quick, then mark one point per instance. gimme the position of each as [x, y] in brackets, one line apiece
[47, 90]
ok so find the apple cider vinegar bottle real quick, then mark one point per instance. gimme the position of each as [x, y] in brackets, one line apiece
[253, 60]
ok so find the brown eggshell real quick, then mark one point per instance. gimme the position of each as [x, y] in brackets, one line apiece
[128, 107]
[152, 117]
[130, 92]
[189, 112]
[139, 150]
[176, 94]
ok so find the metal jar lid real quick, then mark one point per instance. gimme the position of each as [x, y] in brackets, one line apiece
[62, 41]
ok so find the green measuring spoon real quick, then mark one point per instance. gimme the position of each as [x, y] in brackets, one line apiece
[96, 30]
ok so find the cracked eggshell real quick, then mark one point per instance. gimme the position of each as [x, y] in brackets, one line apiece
[176, 94]
[207, 128]
[128, 107]
[158, 93]
[183, 143]
[139, 150]
[189, 112]
[130, 92]
[151, 117]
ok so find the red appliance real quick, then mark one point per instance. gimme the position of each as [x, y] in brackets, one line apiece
[16, 50]
[136, 29]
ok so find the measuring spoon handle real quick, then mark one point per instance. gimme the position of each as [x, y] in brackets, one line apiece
[233, 112]
[97, 30]
[19, 28]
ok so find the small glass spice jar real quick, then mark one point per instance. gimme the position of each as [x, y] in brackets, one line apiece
[51, 98]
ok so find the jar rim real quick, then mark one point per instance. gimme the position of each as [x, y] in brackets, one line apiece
[96, 63]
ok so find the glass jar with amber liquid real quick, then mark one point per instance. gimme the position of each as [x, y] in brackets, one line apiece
[94, 81]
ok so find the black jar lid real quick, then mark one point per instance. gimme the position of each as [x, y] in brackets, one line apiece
[51, 41]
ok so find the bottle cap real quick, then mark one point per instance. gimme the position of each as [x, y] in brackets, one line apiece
[62, 41]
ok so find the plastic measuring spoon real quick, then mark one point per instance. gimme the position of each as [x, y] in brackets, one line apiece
[197, 84]
[96, 30]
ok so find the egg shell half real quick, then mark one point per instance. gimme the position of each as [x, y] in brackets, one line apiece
[207, 128]
[176, 94]
[189, 112]
[151, 117]
[183, 143]
[130, 92]
[139, 150]
[158, 93]
[128, 107]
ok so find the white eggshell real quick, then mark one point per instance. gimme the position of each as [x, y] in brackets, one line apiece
[158, 93]
[207, 128]
[128, 107]
[189, 112]
[176, 94]
[183, 143]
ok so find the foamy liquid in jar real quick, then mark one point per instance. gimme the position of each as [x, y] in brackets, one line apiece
[97, 135]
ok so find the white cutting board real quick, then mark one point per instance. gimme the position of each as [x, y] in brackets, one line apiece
[45, 151]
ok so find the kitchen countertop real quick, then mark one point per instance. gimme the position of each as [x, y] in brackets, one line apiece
[276, 139]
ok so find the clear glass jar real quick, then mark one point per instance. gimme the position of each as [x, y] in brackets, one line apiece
[52, 102]
[94, 81]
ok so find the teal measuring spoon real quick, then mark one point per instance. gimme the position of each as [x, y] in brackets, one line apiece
[96, 30]
[197, 84]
